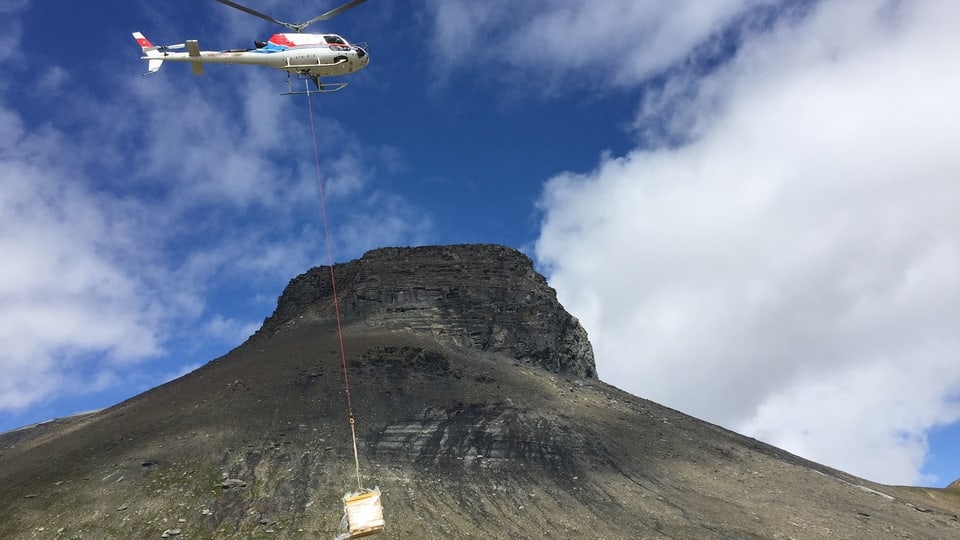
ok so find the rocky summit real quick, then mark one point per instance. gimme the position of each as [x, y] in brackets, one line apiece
[478, 414]
[480, 298]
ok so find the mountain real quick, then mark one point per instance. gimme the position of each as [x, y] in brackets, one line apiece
[477, 411]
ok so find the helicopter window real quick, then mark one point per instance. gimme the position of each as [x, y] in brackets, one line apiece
[334, 40]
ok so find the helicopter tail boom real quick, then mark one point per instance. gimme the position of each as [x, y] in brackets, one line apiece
[151, 53]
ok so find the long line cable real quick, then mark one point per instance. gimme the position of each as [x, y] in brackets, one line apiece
[333, 283]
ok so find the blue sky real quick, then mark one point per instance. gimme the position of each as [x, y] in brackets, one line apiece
[752, 206]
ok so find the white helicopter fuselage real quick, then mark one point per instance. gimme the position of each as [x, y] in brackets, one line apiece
[316, 55]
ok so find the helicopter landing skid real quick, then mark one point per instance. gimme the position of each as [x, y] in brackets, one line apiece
[320, 88]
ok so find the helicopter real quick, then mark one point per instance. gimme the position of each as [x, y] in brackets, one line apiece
[309, 56]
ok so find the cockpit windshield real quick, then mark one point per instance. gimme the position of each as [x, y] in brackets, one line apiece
[334, 40]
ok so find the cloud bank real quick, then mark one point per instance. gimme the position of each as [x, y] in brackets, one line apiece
[791, 268]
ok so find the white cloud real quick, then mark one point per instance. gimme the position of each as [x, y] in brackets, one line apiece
[381, 220]
[8, 7]
[53, 79]
[206, 150]
[230, 330]
[615, 41]
[790, 270]
[64, 293]
[11, 31]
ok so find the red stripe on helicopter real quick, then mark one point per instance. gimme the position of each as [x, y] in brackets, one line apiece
[282, 40]
[298, 40]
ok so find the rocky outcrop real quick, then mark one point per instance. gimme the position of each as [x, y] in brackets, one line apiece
[483, 297]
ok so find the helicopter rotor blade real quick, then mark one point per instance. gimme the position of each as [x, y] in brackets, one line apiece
[333, 12]
[296, 27]
[256, 13]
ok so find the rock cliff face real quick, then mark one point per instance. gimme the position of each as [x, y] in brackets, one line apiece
[482, 297]
[477, 413]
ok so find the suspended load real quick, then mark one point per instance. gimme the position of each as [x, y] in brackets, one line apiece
[362, 514]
